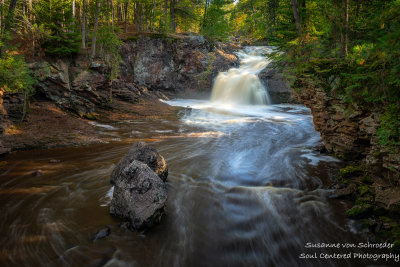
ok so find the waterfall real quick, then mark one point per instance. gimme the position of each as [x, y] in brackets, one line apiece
[241, 86]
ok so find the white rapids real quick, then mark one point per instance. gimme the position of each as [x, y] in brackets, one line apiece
[241, 86]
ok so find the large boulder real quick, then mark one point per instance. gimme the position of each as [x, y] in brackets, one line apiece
[139, 196]
[142, 152]
[139, 187]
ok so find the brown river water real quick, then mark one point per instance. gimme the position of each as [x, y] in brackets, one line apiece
[246, 187]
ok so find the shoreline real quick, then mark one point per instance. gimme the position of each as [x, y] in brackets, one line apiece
[48, 126]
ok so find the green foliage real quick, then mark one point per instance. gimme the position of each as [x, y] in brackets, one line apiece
[110, 44]
[389, 130]
[56, 18]
[15, 76]
[359, 211]
[216, 24]
[350, 170]
[368, 76]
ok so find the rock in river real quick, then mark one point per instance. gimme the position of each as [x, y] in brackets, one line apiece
[142, 152]
[139, 193]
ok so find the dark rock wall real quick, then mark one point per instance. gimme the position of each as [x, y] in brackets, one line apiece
[277, 85]
[350, 131]
[174, 64]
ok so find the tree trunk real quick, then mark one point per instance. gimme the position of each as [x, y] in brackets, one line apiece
[344, 32]
[1, 16]
[172, 15]
[296, 16]
[96, 24]
[25, 106]
[108, 12]
[166, 15]
[10, 16]
[346, 28]
[153, 20]
[303, 15]
[203, 24]
[160, 18]
[126, 16]
[112, 15]
[83, 24]
[73, 9]
[7, 24]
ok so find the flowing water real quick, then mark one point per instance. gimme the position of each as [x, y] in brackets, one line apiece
[245, 188]
[241, 86]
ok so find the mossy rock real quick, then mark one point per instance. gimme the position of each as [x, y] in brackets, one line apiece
[363, 189]
[359, 211]
[156, 35]
[367, 180]
[90, 116]
[351, 170]
[132, 38]
[379, 211]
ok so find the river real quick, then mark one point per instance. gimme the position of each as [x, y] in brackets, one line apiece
[246, 187]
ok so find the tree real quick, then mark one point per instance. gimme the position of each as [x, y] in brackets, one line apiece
[296, 16]
[345, 28]
[83, 23]
[215, 23]
[96, 24]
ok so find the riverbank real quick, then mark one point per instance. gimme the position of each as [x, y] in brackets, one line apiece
[48, 126]
[371, 179]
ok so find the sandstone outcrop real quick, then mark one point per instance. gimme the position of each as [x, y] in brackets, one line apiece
[350, 131]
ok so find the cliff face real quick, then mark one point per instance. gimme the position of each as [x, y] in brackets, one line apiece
[277, 85]
[150, 67]
[180, 63]
[350, 131]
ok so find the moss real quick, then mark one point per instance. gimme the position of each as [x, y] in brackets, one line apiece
[396, 246]
[359, 211]
[363, 189]
[395, 231]
[90, 116]
[385, 219]
[366, 199]
[368, 224]
[157, 35]
[351, 170]
[379, 211]
[202, 77]
[367, 180]
[132, 38]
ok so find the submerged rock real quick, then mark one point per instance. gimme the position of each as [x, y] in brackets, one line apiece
[142, 152]
[139, 190]
[102, 233]
[37, 173]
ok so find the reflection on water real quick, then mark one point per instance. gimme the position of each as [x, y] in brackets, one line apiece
[245, 189]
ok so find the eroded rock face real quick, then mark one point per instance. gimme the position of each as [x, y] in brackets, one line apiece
[139, 187]
[184, 63]
[350, 131]
[142, 152]
[72, 84]
[139, 196]
[277, 85]
[173, 64]
[347, 134]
